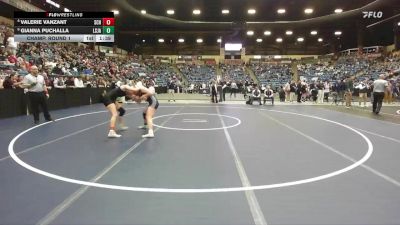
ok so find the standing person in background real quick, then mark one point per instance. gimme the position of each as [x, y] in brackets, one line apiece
[234, 89]
[286, 88]
[299, 89]
[171, 90]
[178, 86]
[349, 91]
[293, 89]
[327, 87]
[341, 88]
[320, 88]
[219, 90]
[363, 88]
[389, 93]
[37, 94]
[379, 92]
[214, 91]
[224, 89]
[282, 94]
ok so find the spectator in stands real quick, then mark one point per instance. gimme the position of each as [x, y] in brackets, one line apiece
[11, 58]
[269, 95]
[78, 82]
[101, 83]
[362, 92]
[18, 79]
[255, 95]
[11, 45]
[59, 82]
[57, 70]
[9, 82]
[69, 83]
[3, 55]
[379, 91]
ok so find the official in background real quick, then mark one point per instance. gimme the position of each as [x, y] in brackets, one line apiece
[37, 93]
[379, 92]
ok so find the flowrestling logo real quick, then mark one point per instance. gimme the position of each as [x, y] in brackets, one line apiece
[373, 14]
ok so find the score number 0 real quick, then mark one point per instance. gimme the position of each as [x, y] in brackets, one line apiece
[108, 21]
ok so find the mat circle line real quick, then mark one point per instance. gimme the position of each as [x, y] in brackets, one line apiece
[194, 190]
[238, 122]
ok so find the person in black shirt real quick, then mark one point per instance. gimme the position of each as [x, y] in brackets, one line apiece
[214, 92]
[299, 91]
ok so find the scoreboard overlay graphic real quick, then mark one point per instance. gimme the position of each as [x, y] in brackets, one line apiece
[64, 26]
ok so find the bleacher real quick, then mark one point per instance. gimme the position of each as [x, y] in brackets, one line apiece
[198, 74]
[275, 74]
[159, 72]
[234, 72]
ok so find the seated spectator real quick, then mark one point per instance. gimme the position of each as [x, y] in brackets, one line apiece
[9, 82]
[59, 82]
[78, 82]
[18, 80]
[11, 58]
[255, 96]
[57, 70]
[69, 83]
[269, 94]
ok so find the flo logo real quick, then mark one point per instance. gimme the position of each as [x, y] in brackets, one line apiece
[373, 14]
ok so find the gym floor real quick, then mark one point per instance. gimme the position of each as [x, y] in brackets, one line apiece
[208, 164]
